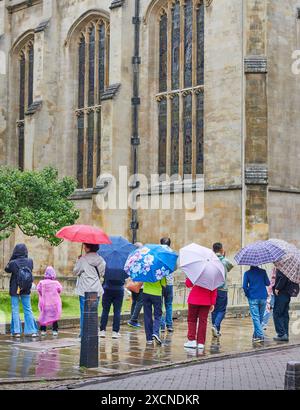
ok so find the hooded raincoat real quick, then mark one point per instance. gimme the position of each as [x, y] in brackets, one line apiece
[50, 305]
[19, 259]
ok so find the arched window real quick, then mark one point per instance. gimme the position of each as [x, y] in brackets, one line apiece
[181, 87]
[93, 54]
[25, 92]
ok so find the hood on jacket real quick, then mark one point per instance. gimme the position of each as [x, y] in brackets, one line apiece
[94, 259]
[20, 251]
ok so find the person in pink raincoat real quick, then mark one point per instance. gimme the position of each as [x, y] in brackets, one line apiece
[50, 305]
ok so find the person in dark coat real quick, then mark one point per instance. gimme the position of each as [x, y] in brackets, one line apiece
[281, 307]
[19, 260]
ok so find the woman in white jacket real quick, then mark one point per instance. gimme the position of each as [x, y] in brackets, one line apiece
[89, 269]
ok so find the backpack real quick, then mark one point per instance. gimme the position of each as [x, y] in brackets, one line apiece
[24, 279]
[293, 289]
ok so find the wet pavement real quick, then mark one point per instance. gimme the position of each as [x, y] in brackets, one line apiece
[55, 358]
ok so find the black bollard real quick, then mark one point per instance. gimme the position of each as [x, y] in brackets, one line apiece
[89, 357]
[292, 376]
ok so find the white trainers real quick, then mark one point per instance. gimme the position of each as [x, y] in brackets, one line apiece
[55, 333]
[191, 344]
[43, 333]
[116, 335]
[102, 334]
[16, 335]
[200, 346]
[34, 335]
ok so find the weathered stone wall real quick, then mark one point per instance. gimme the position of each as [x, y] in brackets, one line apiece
[283, 94]
[251, 119]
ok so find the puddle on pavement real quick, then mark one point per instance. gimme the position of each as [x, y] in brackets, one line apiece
[59, 357]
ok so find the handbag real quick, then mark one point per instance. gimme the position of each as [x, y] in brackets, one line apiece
[134, 287]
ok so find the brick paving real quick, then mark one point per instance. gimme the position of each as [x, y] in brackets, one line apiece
[264, 371]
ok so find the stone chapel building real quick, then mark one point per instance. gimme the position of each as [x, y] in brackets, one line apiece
[158, 86]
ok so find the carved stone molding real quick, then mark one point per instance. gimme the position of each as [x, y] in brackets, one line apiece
[256, 174]
[116, 3]
[34, 107]
[256, 64]
[42, 26]
[110, 92]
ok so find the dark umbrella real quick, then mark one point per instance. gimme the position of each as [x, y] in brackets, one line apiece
[115, 256]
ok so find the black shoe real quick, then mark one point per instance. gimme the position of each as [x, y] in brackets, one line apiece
[284, 338]
[170, 329]
[157, 339]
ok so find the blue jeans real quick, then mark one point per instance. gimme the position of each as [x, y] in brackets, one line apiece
[82, 303]
[281, 314]
[115, 298]
[30, 323]
[151, 303]
[137, 305]
[167, 300]
[269, 314]
[219, 313]
[257, 311]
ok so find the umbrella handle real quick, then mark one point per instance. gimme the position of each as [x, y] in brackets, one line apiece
[81, 250]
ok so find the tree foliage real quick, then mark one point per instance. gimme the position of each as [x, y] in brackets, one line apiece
[37, 202]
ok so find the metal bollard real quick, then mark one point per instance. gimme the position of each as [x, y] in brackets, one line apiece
[292, 376]
[89, 356]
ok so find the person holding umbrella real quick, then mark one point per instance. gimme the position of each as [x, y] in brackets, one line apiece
[89, 269]
[255, 287]
[150, 265]
[115, 256]
[205, 273]
[256, 280]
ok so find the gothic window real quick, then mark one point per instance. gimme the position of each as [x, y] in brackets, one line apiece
[93, 53]
[181, 87]
[25, 90]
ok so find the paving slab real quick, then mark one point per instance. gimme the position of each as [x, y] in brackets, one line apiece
[52, 358]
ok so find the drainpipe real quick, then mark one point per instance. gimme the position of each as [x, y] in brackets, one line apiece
[135, 102]
[243, 132]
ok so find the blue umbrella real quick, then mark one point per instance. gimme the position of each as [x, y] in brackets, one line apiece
[115, 256]
[151, 263]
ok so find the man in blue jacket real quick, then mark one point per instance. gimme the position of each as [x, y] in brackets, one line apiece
[255, 287]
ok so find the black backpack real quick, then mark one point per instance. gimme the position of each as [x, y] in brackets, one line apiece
[24, 279]
[293, 289]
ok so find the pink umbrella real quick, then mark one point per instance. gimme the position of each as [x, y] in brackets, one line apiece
[84, 234]
[202, 266]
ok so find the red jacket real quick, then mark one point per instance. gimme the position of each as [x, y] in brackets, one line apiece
[200, 296]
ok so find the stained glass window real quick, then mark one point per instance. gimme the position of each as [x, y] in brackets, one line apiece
[200, 44]
[199, 133]
[81, 72]
[25, 89]
[175, 136]
[92, 81]
[162, 150]
[175, 45]
[187, 134]
[181, 86]
[188, 44]
[163, 53]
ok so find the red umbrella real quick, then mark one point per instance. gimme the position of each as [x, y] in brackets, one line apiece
[84, 234]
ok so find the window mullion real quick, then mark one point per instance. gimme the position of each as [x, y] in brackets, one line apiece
[181, 86]
[169, 88]
[86, 103]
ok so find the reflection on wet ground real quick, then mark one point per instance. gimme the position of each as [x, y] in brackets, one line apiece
[59, 357]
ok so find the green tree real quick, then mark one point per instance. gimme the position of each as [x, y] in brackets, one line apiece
[37, 202]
